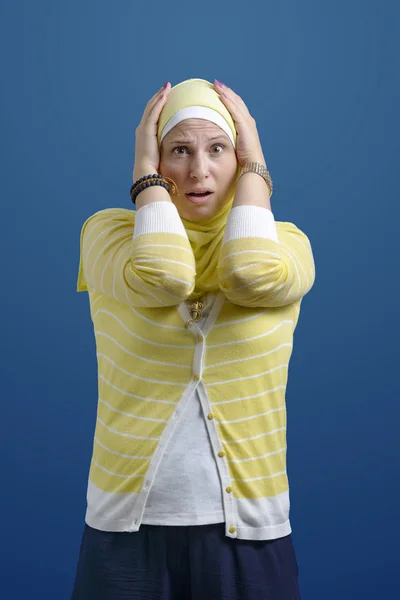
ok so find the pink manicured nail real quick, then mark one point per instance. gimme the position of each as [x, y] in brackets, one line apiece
[165, 84]
[219, 83]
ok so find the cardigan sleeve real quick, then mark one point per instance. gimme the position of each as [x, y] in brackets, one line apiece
[264, 263]
[141, 258]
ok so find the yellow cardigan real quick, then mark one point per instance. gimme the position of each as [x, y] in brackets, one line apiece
[151, 358]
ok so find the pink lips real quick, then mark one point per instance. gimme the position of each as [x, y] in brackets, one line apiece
[198, 199]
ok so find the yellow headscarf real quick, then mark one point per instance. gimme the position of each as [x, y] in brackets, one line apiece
[205, 237]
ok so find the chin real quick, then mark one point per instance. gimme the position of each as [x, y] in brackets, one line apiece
[196, 213]
[200, 214]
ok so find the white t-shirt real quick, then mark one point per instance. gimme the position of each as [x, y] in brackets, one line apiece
[187, 488]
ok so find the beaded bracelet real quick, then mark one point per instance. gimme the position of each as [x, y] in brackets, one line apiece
[150, 180]
[145, 182]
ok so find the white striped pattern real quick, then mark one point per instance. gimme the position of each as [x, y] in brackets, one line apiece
[297, 262]
[241, 360]
[242, 460]
[168, 260]
[100, 254]
[114, 473]
[255, 337]
[114, 364]
[243, 267]
[272, 410]
[89, 231]
[96, 441]
[140, 284]
[274, 254]
[255, 437]
[130, 415]
[156, 323]
[160, 302]
[127, 435]
[137, 288]
[262, 477]
[149, 360]
[251, 283]
[123, 240]
[108, 312]
[241, 398]
[235, 379]
[179, 248]
[245, 320]
[94, 302]
[298, 279]
[144, 398]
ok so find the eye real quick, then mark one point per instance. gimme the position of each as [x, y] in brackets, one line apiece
[174, 151]
[181, 150]
[222, 146]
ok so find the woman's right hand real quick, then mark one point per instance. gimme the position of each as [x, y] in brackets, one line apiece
[147, 154]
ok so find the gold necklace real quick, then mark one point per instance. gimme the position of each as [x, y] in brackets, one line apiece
[196, 311]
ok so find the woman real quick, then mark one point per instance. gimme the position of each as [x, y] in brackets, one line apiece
[194, 299]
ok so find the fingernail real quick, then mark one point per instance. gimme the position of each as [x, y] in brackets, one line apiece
[219, 83]
[165, 84]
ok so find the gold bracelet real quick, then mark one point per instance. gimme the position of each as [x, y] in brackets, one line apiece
[173, 186]
[260, 169]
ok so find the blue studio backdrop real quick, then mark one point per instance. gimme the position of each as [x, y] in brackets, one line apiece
[321, 80]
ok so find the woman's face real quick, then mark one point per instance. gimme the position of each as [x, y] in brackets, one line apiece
[198, 155]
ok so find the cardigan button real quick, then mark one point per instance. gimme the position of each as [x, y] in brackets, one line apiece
[221, 454]
[232, 529]
[211, 416]
[196, 377]
[200, 338]
[229, 489]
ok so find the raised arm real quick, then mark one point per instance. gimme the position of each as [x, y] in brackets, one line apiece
[140, 259]
[263, 262]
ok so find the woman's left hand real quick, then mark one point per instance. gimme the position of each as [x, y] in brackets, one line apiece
[248, 145]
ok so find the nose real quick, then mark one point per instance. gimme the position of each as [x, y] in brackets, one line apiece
[199, 167]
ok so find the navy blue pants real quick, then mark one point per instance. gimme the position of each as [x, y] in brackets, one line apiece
[184, 563]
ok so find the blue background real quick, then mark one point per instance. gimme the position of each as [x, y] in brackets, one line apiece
[321, 80]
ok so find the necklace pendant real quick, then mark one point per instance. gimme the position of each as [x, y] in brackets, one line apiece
[196, 311]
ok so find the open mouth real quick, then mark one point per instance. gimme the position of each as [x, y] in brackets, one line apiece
[198, 198]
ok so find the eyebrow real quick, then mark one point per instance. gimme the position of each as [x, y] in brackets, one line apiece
[216, 137]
